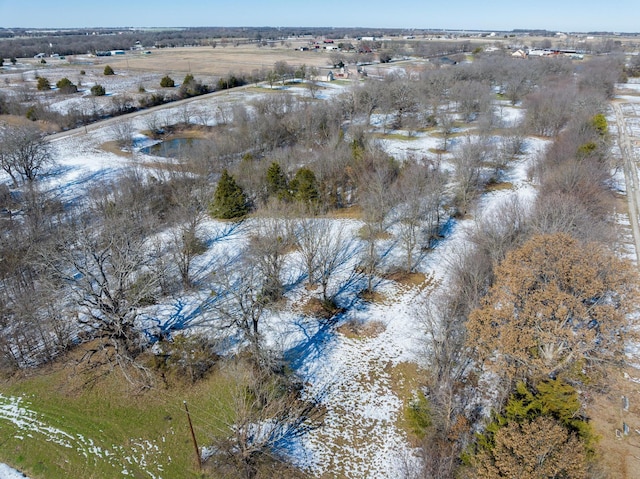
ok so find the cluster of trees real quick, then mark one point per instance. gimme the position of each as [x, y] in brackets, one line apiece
[539, 299]
[535, 297]
[27, 104]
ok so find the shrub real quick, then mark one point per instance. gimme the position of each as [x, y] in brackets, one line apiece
[418, 415]
[82, 72]
[152, 100]
[187, 357]
[98, 90]
[231, 81]
[43, 84]
[108, 70]
[192, 87]
[167, 82]
[31, 113]
[66, 86]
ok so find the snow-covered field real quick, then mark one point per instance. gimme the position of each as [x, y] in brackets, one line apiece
[361, 437]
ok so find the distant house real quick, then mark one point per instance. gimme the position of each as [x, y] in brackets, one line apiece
[540, 53]
[343, 73]
[324, 75]
[519, 54]
[40, 55]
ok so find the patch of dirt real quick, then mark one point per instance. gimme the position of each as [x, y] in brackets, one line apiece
[317, 308]
[112, 147]
[415, 279]
[373, 297]
[355, 329]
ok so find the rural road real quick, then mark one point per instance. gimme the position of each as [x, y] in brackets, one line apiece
[109, 121]
[629, 161]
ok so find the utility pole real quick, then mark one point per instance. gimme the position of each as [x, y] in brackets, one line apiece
[193, 436]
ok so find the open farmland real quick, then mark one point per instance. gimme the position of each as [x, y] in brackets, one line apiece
[243, 59]
[219, 61]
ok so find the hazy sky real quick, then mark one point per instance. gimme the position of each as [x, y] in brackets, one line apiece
[567, 15]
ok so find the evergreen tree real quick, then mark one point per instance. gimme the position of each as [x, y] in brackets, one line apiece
[277, 184]
[540, 429]
[43, 84]
[229, 201]
[108, 70]
[66, 86]
[304, 186]
[98, 90]
[167, 82]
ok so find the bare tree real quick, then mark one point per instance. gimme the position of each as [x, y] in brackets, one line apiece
[153, 124]
[446, 122]
[122, 103]
[376, 178]
[550, 110]
[420, 189]
[325, 248]
[269, 242]
[312, 83]
[399, 96]
[186, 242]
[467, 161]
[267, 414]
[105, 267]
[472, 98]
[122, 131]
[24, 153]
[238, 304]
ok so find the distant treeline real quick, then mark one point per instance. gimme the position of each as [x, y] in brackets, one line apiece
[20, 43]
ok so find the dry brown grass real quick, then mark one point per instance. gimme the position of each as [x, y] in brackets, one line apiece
[356, 329]
[351, 213]
[618, 454]
[505, 185]
[374, 297]
[112, 147]
[317, 308]
[407, 279]
[405, 380]
[15, 120]
[218, 61]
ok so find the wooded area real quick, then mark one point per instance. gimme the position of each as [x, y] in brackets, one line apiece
[534, 311]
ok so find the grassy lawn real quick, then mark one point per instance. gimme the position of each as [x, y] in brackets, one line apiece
[99, 430]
